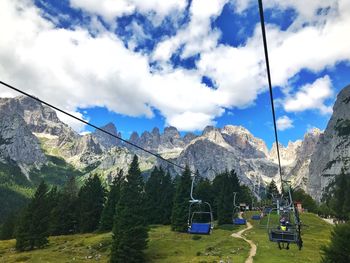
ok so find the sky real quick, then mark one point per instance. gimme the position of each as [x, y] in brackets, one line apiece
[143, 64]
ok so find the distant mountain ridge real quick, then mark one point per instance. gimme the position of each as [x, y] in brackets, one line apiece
[40, 132]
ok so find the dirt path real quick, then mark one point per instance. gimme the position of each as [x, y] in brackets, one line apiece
[252, 251]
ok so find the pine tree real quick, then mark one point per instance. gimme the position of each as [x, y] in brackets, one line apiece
[153, 191]
[33, 229]
[167, 198]
[272, 190]
[179, 215]
[130, 232]
[203, 190]
[224, 185]
[338, 251]
[159, 191]
[64, 216]
[109, 210]
[91, 198]
[8, 227]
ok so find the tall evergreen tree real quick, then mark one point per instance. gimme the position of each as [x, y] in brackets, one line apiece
[130, 231]
[225, 185]
[272, 190]
[337, 196]
[153, 191]
[338, 251]
[245, 195]
[33, 229]
[91, 198]
[8, 227]
[109, 209]
[203, 190]
[64, 216]
[159, 197]
[167, 199]
[181, 202]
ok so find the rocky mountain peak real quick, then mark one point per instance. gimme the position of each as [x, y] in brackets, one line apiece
[134, 137]
[171, 132]
[231, 129]
[287, 154]
[110, 127]
[105, 140]
[208, 129]
[155, 131]
[241, 138]
[38, 117]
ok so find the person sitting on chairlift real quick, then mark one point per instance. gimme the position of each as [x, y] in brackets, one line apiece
[284, 227]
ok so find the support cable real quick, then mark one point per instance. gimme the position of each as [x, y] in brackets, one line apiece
[262, 22]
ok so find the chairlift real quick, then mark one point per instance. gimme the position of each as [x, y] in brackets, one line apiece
[256, 217]
[238, 209]
[290, 231]
[200, 220]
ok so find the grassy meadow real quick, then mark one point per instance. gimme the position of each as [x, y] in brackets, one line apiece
[167, 246]
[315, 233]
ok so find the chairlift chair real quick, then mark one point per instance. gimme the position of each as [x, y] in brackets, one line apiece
[200, 221]
[289, 235]
[256, 217]
[236, 210]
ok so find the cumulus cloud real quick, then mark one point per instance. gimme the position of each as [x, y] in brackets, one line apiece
[284, 123]
[197, 36]
[311, 97]
[72, 69]
[110, 9]
[74, 124]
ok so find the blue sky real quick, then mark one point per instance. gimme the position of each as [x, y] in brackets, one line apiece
[141, 64]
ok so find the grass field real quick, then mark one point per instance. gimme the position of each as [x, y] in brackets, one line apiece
[315, 234]
[164, 246]
[167, 246]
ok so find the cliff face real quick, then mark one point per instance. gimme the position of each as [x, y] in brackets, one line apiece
[39, 118]
[29, 131]
[332, 151]
[18, 144]
[297, 171]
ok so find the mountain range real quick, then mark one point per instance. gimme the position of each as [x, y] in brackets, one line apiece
[32, 136]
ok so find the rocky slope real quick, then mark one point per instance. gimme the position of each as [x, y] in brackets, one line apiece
[231, 147]
[332, 153]
[18, 144]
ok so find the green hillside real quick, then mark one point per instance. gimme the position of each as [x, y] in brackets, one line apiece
[16, 189]
[315, 233]
[167, 246]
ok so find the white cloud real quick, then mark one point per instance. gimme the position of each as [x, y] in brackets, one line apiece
[191, 121]
[110, 9]
[311, 97]
[72, 69]
[313, 129]
[74, 124]
[84, 132]
[284, 123]
[197, 36]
